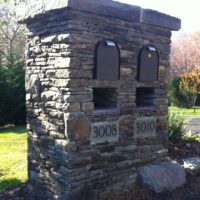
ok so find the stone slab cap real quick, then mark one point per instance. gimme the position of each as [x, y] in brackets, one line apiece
[154, 17]
[102, 7]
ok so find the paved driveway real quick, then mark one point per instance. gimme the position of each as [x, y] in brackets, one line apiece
[193, 124]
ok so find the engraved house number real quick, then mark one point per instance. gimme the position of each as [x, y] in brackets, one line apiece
[145, 126]
[104, 131]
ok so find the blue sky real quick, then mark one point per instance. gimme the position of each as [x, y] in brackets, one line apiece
[187, 11]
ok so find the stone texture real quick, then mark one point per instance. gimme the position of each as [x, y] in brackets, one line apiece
[77, 126]
[192, 165]
[162, 177]
[61, 108]
[103, 7]
[33, 84]
[157, 18]
[88, 107]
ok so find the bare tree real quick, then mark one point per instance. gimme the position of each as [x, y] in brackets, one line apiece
[12, 35]
[185, 54]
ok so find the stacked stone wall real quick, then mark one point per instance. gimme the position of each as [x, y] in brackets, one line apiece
[64, 163]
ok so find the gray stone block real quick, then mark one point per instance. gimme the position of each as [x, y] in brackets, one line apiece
[162, 177]
[77, 126]
[160, 19]
[192, 165]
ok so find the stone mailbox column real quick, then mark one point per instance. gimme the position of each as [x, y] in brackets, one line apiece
[96, 83]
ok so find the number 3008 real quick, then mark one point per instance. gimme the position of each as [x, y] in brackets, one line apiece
[105, 131]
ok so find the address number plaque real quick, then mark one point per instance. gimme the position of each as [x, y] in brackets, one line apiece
[104, 131]
[145, 126]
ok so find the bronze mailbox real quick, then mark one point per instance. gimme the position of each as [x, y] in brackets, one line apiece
[148, 62]
[107, 61]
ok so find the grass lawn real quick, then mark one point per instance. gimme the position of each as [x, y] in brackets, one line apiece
[186, 112]
[13, 157]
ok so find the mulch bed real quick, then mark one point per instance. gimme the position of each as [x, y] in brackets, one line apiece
[19, 193]
[190, 191]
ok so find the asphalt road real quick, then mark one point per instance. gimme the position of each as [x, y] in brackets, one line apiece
[193, 124]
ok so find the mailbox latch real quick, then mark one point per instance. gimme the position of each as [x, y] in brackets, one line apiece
[151, 48]
[110, 43]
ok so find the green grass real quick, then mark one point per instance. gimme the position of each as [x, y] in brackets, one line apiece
[185, 111]
[191, 138]
[13, 157]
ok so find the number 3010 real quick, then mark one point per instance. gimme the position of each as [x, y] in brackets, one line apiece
[145, 127]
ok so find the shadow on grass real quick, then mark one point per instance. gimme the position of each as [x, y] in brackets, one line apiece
[16, 130]
[9, 183]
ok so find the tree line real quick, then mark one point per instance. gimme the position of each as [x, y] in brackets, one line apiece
[12, 66]
[184, 86]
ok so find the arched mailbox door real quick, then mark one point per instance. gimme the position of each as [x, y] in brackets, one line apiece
[107, 61]
[148, 62]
